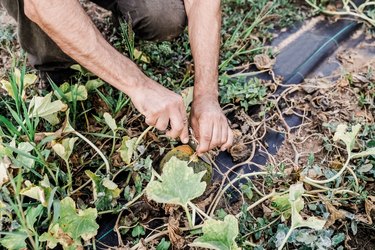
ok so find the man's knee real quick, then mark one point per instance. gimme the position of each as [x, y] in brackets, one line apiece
[155, 19]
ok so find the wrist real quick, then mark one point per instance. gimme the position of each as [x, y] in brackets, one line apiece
[134, 82]
[206, 93]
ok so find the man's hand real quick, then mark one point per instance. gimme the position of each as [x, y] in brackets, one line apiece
[210, 125]
[162, 108]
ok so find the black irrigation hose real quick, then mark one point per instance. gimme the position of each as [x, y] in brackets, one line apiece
[336, 33]
[321, 53]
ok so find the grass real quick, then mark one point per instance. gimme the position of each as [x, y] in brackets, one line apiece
[102, 154]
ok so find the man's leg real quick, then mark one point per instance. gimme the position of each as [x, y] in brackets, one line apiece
[154, 20]
[151, 20]
[43, 53]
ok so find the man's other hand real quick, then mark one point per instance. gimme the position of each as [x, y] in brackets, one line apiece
[162, 108]
[210, 125]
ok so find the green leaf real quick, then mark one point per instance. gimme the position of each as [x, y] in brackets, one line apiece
[14, 241]
[338, 238]
[25, 158]
[127, 148]
[297, 204]
[108, 189]
[367, 152]
[219, 235]
[32, 213]
[110, 121]
[45, 108]
[77, 225]
[163, 245]
[179, 184]
[91, 85]
[138, 231]
[65, 148]
[72, 226]
[347, 137]
[78, 92]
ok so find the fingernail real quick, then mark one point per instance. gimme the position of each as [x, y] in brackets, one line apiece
[185, 140]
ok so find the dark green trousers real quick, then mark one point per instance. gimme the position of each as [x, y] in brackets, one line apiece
[151, 19]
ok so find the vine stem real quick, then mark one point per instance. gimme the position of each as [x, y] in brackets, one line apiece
[349, 13]
[216, 201]
[107, 166]
[70, 179]
[142, 135]
[260, 201]
[285, 240]
[188, 215]
[193, 206]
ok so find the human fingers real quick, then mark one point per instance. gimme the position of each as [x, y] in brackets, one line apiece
[205, 135]
[216, 135]
[224, 134]
[162, 123]
[229, 140]
[151, 120]
[177, 125]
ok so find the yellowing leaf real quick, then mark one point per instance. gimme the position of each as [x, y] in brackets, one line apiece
[28, 79]
[347, 137]
[7, 86]
[40, 193]
[72, 226]
[4, 165]
[35, 192]
[219, 235]
[78, 225]
[110, 121]
[126, 149]
[187, 96]
[139, 55]
[25, 159]
[179, 184]
[65, 148]
[45, 108]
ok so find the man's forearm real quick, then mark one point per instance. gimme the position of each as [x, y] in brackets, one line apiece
[73, 31]
[204, 19]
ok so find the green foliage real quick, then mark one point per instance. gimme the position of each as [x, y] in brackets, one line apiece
[219, 235]
[296, 204]
[72, 226]
[242, 91]
[106, 192]
[127, 149]
[178, 184]
[14, 241]
[163, 245]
